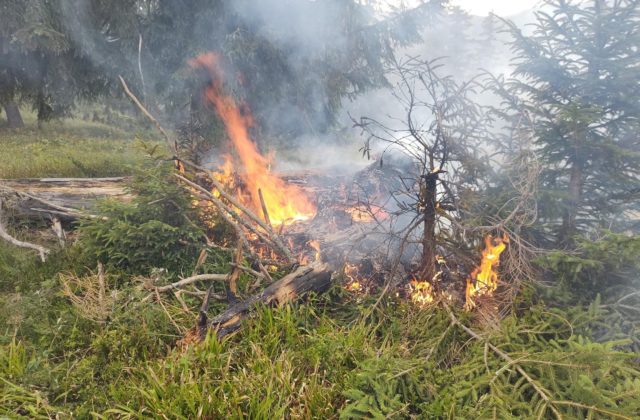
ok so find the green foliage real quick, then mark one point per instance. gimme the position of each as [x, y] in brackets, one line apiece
[154, 230]
[576, 81]
[296, 361]
[40, 62]
[607, 266]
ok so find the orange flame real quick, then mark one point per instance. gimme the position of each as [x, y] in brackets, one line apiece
[285, 203]
[484, 278]
[421, 292]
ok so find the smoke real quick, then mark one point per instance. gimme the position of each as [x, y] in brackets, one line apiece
[291, 59]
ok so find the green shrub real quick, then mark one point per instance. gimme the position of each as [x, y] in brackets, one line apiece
[154, 230]
[608, 266]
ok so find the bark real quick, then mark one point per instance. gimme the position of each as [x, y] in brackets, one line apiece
[14, 119]
[569, 226]
[428, 194]
[66, 198]
[315, 277]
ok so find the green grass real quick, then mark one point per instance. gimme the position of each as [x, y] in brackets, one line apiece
[320, 359]
[328, 357]
[69, 148]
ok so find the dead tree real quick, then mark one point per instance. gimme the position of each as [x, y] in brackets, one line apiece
[442, 131]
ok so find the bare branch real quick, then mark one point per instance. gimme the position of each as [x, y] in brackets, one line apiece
[5, 235]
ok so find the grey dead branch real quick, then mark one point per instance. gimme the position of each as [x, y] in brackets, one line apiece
[54, 200]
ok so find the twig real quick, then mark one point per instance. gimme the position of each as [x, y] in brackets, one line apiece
[191, 280]
[594, 408]
[164, 308]
[142, 108]
[5, 235]
[248, 270]
[144, 95]
[264, 208]
[102, 290]
[235, 273]
[504, 356]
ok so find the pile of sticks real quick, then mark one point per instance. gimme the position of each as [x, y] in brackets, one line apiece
[314, 277]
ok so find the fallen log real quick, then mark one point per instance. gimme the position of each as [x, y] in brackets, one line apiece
[315, 277]
[65, 198]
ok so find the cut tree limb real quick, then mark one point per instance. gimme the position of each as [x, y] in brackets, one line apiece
[5, 235]
[315, 277]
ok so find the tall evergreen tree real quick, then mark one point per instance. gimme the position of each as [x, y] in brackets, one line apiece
[42, 63]
[577, 77]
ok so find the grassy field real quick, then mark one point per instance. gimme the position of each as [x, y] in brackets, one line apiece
[67, 351]
[69, 148]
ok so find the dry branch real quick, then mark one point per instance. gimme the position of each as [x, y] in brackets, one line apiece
[265, 212]
[272, 238]
[243, 209]
[66, 198]
[191, 280]
[314, 277]
[170, 143]
[5, 235]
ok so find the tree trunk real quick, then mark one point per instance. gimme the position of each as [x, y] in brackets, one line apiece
[428, 194]
[569, 227]
[14, 119]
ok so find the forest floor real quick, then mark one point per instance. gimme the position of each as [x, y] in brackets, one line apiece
[333, 356]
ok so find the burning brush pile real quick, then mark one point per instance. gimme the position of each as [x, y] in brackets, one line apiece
[318, 226]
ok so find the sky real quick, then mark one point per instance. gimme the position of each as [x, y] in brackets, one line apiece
[499, 7]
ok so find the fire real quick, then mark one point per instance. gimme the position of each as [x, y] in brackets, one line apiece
[285, 203]
[355, 281]
[484, 278]
[421, 292]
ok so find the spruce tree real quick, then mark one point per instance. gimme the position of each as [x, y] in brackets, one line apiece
[577, 77]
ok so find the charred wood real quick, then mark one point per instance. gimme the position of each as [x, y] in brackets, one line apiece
[315, 277]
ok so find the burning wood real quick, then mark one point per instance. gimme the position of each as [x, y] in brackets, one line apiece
[344, 216]
[483, 280]
[421, 292]
[284, 203]
[355, 281]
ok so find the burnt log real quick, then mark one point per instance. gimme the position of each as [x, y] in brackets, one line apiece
[315, 277]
